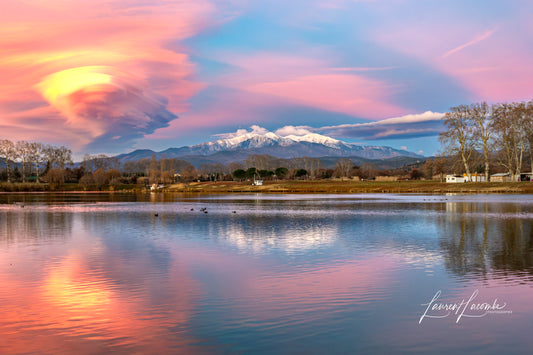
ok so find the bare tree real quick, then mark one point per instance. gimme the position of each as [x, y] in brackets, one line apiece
[99, 161]
[231, 167]
[63, 155]
[343, 167]
[312, 165]
[100, 178]
[212, 170]
[37, 155]
[508, 120]
[368, 171]
[154, 170]
[56, 178]
[164, 163]
[528, 130]
[88, 163]
[49, 154]
[261, 161]
[428, 169]
[24, 153]
[439, 166]
[458, 137]
[9, 153]
[480, 114]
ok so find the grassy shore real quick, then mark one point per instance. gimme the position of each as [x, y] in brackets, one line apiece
[301, 186]
[328, 186]
[44, 187]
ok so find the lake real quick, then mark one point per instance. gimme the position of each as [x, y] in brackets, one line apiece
[265, 274]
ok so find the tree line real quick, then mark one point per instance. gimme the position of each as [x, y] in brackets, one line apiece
[500, 135]
[38, 162]
[32, 155]
[478, 138]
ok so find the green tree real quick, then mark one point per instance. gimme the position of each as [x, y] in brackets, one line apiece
[265, 173]
[239, 174]
[251, 172]
[281, 172]
[300, 173]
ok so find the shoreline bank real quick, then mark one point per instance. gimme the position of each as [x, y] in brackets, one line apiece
[306, 186]
[328, 187]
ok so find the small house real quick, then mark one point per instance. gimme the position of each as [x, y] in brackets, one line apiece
[501, 177]
[456, 178]
[478, 177]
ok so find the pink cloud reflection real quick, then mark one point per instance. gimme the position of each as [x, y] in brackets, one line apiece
[264, 295]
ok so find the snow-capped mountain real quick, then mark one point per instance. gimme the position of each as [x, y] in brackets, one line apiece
[318, 139]
[290, 146]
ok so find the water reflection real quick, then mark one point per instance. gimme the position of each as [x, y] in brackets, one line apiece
[482, 238]
[30, 227]
[321, 275]
[260, 235]
[93, 296]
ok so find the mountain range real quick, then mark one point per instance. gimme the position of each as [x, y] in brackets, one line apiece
[239, 147]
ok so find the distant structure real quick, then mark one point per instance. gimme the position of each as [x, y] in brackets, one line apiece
[478, 177]
[501, 177]
[156, 187]
[465, 178]
[456, 178]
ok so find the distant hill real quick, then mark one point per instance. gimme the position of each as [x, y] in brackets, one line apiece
[240, 147]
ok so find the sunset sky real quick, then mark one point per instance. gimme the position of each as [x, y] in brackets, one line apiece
[106, 76]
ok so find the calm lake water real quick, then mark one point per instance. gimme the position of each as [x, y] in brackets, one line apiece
[273, 274]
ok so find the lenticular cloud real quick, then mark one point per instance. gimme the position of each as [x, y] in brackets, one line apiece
[105, 102]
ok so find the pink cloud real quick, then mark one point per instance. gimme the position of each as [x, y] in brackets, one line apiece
[225, 107]
[469, 43]
[494, 64]
[350, 94]
[270, 79]
[314, 81]
[43, 38]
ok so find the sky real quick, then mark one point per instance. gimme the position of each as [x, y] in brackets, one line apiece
[106, 76]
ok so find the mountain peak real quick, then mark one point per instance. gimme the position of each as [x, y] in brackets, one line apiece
[316, 138]
[260, 141]
[283, 140]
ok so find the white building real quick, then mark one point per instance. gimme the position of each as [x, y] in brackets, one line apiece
[464, 178]
[456, 178]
